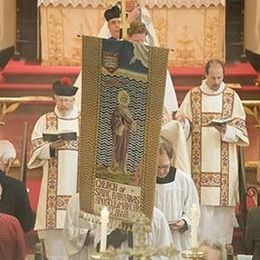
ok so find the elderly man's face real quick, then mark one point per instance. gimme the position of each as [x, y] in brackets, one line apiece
[114, 27]
[164, 164]
[64, 104]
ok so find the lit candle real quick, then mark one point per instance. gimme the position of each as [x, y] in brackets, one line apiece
[194, 225]
[104, 222]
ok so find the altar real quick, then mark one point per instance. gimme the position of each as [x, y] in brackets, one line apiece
[194, 30]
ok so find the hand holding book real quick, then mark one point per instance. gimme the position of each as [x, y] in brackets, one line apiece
[220, 124]
[220, 121]
[55, 145]
[55, 136]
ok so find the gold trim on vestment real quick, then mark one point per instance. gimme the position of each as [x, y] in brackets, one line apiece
[199, 120]
[52, 178]
[54, 201]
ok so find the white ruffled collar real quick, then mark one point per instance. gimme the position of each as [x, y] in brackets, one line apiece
[206, 90]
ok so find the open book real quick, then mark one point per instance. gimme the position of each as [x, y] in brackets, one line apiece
[220, 121]
[64, 135]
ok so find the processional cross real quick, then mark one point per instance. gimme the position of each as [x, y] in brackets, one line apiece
[123, 19]
[123, 16]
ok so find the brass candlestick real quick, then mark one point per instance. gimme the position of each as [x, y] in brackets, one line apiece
[141, 250]
[193, 253]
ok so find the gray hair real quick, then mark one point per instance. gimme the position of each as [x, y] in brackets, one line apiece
[7, 151]
[165, 147]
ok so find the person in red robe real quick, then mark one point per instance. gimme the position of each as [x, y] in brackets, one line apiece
[12, 242]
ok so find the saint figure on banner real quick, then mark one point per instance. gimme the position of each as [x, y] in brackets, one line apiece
[122, 123]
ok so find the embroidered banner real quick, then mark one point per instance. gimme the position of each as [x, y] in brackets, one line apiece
[122, 102]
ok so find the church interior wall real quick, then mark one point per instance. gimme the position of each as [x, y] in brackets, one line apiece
[7, 30]
[7, 24]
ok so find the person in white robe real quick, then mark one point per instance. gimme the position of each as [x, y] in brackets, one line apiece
[173, 132]
[175, 194]
[170, 99]
[112, 17]
[214, 120]
[135, 12]
[136, 34]
[59, 160]
[82, 237]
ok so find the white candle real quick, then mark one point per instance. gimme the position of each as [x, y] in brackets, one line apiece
[194, 226]
[104, 222]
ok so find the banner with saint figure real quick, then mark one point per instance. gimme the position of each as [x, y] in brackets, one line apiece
[122, 102]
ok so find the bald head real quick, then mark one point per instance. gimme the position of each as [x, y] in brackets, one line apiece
[214, 73]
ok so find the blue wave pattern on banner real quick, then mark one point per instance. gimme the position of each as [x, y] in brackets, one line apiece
[138, 100]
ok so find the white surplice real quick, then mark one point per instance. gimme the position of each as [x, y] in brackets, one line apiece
[175, 200]
[76, 230]
[170, 99]
[173, 132]
[53, 244]
[217, 224]
[59, 180]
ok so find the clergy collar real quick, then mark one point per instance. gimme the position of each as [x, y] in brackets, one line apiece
[206, 90]
[170, 177]
[72, 115]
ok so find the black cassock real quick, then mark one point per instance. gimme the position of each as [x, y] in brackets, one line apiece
[15, 201]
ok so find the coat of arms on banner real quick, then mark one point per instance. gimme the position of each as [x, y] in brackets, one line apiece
[122, 102]
[110, 61]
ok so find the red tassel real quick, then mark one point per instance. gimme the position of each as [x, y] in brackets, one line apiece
[66, 81]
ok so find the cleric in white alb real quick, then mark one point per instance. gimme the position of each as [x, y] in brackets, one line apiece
[59, 160]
